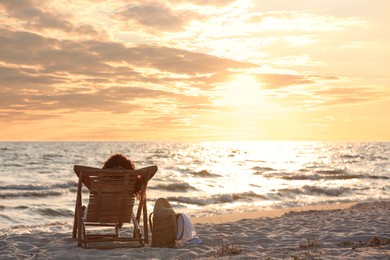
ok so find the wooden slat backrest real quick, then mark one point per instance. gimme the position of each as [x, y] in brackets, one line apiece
[112, 195]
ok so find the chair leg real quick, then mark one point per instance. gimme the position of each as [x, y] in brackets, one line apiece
[74, 233]
[137, 230]
[145, 222]
[84, 237]
[80, 225]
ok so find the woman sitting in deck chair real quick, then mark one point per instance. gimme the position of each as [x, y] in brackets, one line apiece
[116, 163]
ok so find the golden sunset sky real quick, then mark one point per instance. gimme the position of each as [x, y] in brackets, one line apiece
[194, 70]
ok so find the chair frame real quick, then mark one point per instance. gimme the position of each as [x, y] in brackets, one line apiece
[97, 175]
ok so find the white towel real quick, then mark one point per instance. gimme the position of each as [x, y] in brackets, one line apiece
[189, 232]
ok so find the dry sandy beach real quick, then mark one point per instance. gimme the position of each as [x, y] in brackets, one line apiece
[339, 231]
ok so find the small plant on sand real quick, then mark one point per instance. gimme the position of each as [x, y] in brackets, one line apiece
[308, 249]
[226, 249]
[311, 244]
[345, 243]
[376, 242]
[372, 242]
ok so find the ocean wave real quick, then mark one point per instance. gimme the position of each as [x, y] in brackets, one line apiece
[52, 155]
[376, 177]
[301, 177]
[314, 190]
[386, 187]
[52, 225]
[32, 187]
[5, 217]
[352, 156]
[173, 187]
[156, 156]
[247, 196]
[55, 212]
[204, 174]
[21, 207]
[324, 177]
[34, 194]
[68, 184]
[233, 153]
[217, 199]
[332, 171]
[261, 170]
[332, 177]
[13, 165]
[378, 158]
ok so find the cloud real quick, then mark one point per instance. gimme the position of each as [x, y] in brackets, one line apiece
[114, 99]
[219, 3]
[164, 63]
[46, 74]
[83, 57]
[347, 95]
[157, 16]
[20, 94]
[181, 61]
[41, 73]
[32, 16]
[274, 81]
[317, 97]
[301, 20]
[17, 116]
[24, 78]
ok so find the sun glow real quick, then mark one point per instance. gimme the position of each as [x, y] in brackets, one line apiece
[244, 93]
[242, 103]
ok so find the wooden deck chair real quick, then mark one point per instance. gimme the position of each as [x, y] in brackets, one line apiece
[111, 203]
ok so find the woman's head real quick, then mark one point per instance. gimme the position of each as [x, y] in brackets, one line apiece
[118, 160]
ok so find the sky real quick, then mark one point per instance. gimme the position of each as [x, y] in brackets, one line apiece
[199, 70]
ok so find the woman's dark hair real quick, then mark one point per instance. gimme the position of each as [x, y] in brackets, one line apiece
[119, 160]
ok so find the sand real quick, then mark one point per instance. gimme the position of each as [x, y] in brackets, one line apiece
[337, 231]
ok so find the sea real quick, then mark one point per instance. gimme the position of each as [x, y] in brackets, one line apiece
[38, 185]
